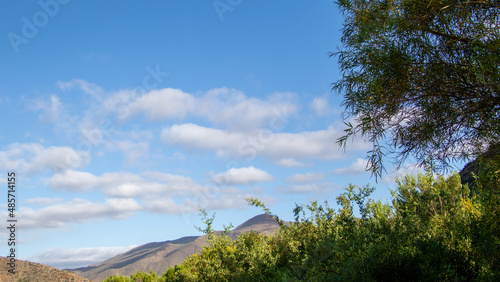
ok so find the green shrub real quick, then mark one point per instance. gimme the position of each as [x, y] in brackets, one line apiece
[432, 230]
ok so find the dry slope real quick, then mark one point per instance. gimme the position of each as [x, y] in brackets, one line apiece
[30, 271]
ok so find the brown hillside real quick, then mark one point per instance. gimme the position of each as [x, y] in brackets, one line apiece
[157, 256]
[30, 271]
[262, 223]
[160, 255]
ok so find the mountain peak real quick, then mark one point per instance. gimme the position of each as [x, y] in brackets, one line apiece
[160, 255]
[260, 223]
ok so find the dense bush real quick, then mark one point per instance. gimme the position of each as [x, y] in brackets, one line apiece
[432, 230]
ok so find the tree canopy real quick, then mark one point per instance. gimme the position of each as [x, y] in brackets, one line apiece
[421, 78]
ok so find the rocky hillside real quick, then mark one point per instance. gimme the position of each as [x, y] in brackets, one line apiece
[466, 174]
[30, 271]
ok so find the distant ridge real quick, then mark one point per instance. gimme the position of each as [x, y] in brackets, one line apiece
[30, 271]
[160, 255]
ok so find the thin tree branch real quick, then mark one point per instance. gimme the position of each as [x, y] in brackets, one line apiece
[449, 36]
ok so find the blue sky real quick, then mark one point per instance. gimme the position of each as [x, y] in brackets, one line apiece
[121, 117]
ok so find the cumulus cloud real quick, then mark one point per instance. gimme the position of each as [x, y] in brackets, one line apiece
[195, 137]
[306, 177]
[221, 106]
[230, 107]
[321, 106]
[163, 104]
[76, 211]
[125, 184]
[64, 258]
[276, 146]
[121, 103]
[73, 180]
[161, 192]
[33, 158]
[244, 175]
[358, 166]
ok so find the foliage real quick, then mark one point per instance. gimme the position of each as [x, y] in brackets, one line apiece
[138, 277]
[433, 229]
[486, 228]
[208, 221]
[421, 78]
[256, 203]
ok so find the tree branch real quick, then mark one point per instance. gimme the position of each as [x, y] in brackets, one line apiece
[486, 3]
[449, 36]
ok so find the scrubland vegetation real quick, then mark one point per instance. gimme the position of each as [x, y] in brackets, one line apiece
[435, 228]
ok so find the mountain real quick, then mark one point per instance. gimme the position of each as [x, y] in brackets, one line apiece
[30, 271]
[160, 255]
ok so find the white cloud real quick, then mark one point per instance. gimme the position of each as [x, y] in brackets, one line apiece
[229, 202]
[166, 205]
[51, 112]
[91, 89]
[195, 137]
[162, 192]
[276, 146]
[163, 104]
[244, 175]
[33, 158]
[306, 188]
[64, 258]
[315, 188]
[358, 166]
[289, 162]
[402, 172]
[221, 106]
[306, 177]
[73, 180]
[132, 150]
[210, 198]
[230, 107]
[126, 185]
[56, 158]
[76, 211]
[321, 106]
[120, 104]
[44, 201]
